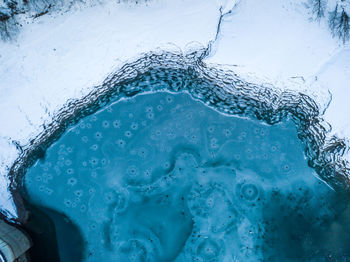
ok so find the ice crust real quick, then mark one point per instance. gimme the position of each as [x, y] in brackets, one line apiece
[162, 177]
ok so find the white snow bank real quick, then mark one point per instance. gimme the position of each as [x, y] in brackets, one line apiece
[273, 39]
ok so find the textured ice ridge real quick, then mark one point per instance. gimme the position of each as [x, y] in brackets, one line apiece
[223, 90]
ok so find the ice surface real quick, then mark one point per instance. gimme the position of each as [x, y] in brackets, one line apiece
[58, 57]
[162, 177]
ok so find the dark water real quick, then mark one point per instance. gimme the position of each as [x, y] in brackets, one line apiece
[162, 177]
[44, 226]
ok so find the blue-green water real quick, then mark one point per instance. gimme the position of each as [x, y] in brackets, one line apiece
[162, 177]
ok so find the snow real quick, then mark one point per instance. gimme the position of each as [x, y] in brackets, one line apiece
[335, 75]
[274, 40]
[63, 56]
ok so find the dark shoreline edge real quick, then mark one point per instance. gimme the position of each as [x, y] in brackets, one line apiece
[221, 89]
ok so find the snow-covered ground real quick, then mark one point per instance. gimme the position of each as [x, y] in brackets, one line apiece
[61, 56]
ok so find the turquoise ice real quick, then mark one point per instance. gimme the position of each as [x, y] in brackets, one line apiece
[163, 177]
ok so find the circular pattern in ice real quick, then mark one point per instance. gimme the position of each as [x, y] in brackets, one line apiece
[163, 177]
